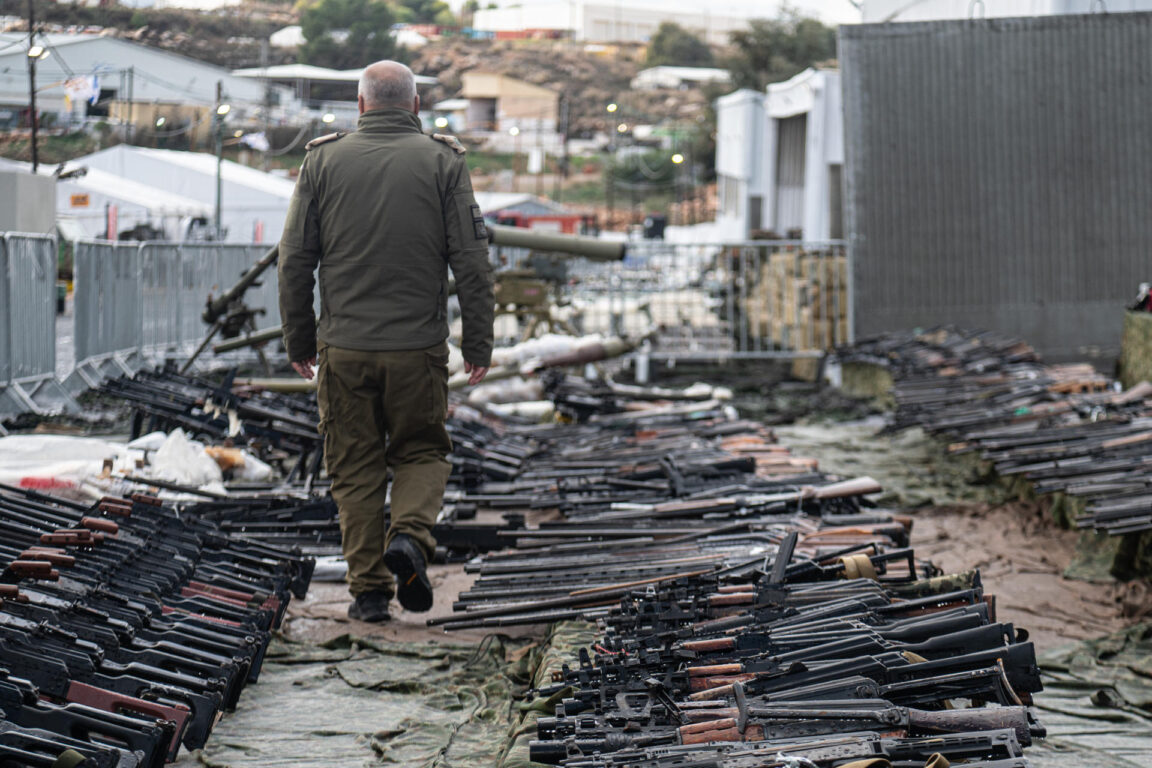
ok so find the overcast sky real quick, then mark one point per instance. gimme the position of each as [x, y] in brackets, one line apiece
[829, 11]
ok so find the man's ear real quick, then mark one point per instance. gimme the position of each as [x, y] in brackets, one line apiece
[360, 102]
[416, 105]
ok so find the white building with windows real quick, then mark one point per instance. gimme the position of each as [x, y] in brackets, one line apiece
[779, 159]
[885, 11]
[612, 22]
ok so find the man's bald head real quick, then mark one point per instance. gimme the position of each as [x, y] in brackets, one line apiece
[387, 84]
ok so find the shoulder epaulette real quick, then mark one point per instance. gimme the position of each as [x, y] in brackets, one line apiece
[325, 139]
[451, 141]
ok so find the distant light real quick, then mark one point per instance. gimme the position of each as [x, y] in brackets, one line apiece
[238, 134]
[622, 128]
[223, 109]
[328, 118]
[441, 122]
[37, 52]
[160, 122]
[612, 107]
[677, 158]
[514, 131]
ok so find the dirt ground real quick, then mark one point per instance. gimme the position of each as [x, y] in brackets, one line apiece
[1022, 558]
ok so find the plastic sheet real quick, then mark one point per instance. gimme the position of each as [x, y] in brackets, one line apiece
[1097, 702]
[357, 702]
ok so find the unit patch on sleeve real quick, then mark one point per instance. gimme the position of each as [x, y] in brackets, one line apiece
[478, 226]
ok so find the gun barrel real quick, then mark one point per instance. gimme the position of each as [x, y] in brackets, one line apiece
[588, 247]
[218, 306]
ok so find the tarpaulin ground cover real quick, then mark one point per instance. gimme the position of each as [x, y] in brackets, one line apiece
[356, 702]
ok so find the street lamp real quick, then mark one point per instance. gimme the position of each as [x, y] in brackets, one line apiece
[622, 128]
[328, 118]
[221, 112]
[612, 107]
[441, 122]
[35, 53]
[160, 122]
[677, 158]
[514, 132]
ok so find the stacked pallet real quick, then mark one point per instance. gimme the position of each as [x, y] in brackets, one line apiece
[799, 299]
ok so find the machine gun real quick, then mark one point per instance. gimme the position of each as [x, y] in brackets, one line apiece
[526, 292]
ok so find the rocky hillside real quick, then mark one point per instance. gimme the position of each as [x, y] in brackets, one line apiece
[590, 76]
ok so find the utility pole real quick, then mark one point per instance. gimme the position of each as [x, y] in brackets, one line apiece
[562, 171]
[32, 85]
[218, 124]
[131, 103]
[267, 98]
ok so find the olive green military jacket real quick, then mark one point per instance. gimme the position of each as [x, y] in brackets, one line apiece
[384, 212]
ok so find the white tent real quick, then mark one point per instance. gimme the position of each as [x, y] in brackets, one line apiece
[83, 201]
[252, 201]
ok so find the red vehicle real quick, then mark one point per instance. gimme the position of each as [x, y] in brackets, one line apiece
[567, 223]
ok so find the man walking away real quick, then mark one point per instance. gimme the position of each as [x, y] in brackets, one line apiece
[383, 212]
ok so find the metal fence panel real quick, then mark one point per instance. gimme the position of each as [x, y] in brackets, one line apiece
[107, 298]
[5, 317]
[31, 304]
[160, 311]
[705, 301]
[998, 174]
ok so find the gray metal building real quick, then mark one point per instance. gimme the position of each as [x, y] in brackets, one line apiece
[999, 175]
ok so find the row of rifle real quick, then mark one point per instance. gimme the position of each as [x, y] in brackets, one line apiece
[127, 628]
[1065, 429]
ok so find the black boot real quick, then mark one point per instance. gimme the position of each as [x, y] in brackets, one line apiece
[370, 606]
[406, 561]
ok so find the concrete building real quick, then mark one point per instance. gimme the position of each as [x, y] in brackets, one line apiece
[740, 163]
[780, 157]
[613, 22]
[88, 78]
[884, 11]
[512, 115]
[656, 78]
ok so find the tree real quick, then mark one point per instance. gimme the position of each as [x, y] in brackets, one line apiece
[424, 12]
[368, 24]
[672, 44]
[771, 50]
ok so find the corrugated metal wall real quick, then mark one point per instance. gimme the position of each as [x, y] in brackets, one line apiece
[999, 175]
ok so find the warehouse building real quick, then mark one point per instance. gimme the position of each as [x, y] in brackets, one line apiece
[779, 159]
[84, 80]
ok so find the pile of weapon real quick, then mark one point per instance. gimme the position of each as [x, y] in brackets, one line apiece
[1062, 428]
[809, 655]
[126, 628]
[752, 611]
[789, 667]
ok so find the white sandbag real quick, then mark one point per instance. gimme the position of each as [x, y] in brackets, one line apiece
[540, 411]
[512, 390]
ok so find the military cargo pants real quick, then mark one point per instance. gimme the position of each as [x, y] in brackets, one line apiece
[382, 410]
